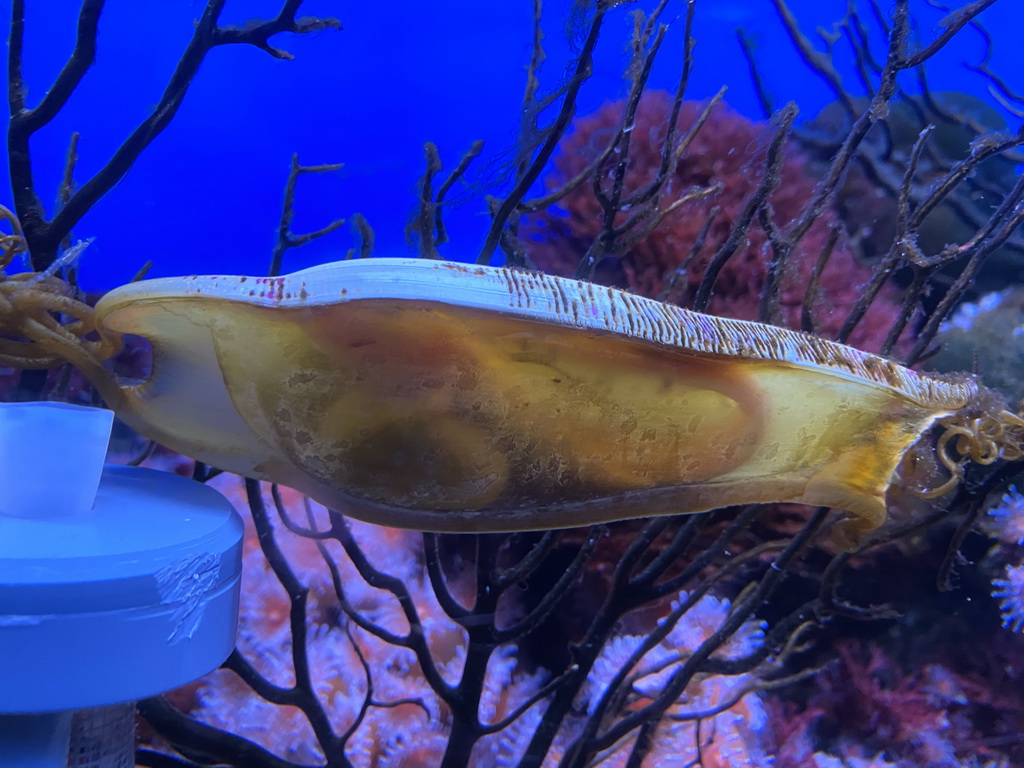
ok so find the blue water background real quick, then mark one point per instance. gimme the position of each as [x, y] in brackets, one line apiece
[205, 197]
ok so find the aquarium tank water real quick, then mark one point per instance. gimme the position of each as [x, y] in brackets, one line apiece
[535, 383]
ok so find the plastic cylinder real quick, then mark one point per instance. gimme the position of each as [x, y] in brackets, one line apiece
[116, 583]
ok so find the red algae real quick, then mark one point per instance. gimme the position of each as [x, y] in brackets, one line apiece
[728, 150]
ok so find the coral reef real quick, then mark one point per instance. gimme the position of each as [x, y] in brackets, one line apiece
[1005, 524]
[721, 719]
[724, 150]
[1005, 520]
[987, 337]
[866, 203]
[866, 709]
[736, 637]
[1009, 590]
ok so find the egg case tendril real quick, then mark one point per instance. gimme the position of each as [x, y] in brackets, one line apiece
[44, 325]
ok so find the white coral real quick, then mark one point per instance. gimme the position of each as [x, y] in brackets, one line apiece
[415, 733]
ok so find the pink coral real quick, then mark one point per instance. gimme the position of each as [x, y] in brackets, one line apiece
[734, 736]
[868, 709]
[415, 734]
[729, 149]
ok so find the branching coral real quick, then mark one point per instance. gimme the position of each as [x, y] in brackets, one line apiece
[722, 156]
[390, 714]
[45, 235]
[655, 643]
[870, 192]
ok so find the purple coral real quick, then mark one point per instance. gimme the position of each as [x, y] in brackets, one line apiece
[416, 733]
[1007, 518]
[1005, 523]
[1009, 590]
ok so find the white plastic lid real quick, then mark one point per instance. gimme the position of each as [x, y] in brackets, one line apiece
[128, 599]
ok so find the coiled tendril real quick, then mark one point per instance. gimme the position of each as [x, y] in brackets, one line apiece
[983, 432]
[42, 324]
